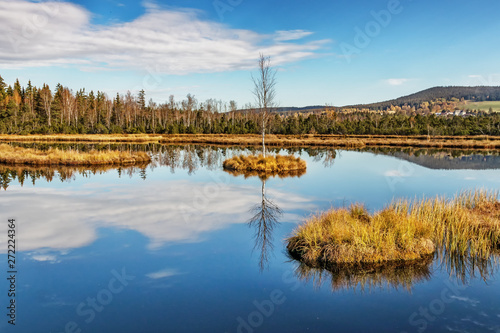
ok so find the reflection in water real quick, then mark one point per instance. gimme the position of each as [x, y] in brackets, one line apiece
[188, 157]
[266, 214]
[327, 156]
[63, 173]
[367, 277]
[466, 268]
[396, 275]
[264, 218]
[266, 175]
[444, 159]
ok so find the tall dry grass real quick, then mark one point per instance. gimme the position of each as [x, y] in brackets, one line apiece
[467, 226]
[30, 156]
[269, 164]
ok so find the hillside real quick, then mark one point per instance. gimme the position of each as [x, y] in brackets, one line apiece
[477, 94]
[467, 93]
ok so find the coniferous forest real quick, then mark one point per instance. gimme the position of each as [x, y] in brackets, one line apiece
[41, 110]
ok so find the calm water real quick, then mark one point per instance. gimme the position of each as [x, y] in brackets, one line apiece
[168, 248]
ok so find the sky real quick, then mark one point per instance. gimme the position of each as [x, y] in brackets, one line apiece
[325, 52]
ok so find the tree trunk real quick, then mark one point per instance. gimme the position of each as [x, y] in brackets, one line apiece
[263, 137]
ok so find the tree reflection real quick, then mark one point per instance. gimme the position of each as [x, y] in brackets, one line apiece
[63, 173]
[265, 216]
[327, 156]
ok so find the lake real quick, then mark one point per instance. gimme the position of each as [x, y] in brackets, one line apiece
[168, 247]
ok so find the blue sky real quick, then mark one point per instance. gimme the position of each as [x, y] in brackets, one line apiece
[326, 52]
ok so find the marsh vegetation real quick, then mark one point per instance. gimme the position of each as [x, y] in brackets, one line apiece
[18, 155]
[265, 165]
[467, 226]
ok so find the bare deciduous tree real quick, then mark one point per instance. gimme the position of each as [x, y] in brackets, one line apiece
[265, 92]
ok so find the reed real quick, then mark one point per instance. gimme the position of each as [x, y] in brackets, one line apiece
[468, 226]
[30, 156]
[266, 165]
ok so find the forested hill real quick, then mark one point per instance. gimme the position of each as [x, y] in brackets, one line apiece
[468, 93]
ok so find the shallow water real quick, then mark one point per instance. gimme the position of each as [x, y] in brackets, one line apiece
[168, 248]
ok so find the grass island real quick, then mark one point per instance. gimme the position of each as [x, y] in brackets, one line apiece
[468, 225]
[278, 164]
[53, 156]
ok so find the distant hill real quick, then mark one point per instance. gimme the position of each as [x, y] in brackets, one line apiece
[480, 93]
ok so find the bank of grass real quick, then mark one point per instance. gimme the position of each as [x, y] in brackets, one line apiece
[307, 140]
[468, 226]
[30, 156]
[267, 165]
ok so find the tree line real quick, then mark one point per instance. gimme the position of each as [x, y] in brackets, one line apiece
[34, 110]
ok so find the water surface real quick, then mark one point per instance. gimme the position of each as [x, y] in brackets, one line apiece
[168, 247]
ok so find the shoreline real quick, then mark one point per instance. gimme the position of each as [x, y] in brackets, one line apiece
[310, 140]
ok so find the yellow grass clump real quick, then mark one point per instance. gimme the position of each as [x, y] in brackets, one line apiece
[52, 156]
[468, 226]
[269, 164]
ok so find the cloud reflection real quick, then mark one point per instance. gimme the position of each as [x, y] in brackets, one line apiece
[163, 211]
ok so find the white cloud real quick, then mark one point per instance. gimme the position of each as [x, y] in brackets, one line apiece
[491, 79]
[282, 36]
[396, 82]
[161, 40]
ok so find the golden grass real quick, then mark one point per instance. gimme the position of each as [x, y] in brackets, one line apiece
[266, 165]
[338, 141]
[468, 225]
[30, 156]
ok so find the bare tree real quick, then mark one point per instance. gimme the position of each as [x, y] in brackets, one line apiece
[264, 91]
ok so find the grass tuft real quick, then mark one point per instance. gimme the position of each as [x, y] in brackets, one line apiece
[467, 226]
[267, 165]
